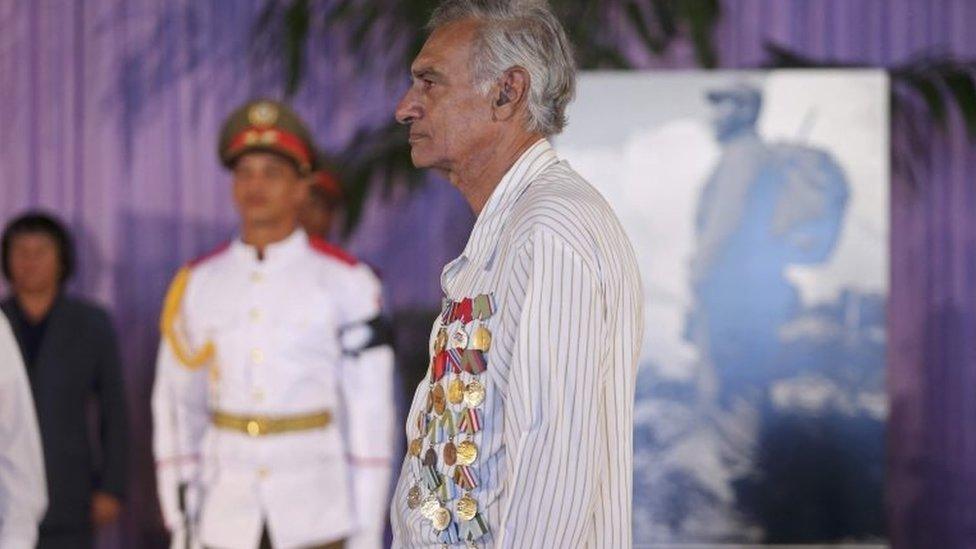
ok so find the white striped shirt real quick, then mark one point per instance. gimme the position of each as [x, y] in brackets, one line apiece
[555, 448]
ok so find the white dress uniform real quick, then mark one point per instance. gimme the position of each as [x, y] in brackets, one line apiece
[23, 490]
[521, 437]
[268, 406]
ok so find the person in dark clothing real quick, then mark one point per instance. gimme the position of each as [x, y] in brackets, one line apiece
[70, 353]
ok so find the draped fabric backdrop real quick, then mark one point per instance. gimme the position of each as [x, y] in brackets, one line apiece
[110, 115]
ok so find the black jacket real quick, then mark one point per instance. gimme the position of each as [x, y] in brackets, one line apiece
[77, 363]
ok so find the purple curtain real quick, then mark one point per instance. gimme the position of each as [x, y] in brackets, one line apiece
[109, 116]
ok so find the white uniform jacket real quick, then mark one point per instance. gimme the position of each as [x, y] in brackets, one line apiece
[286, 334]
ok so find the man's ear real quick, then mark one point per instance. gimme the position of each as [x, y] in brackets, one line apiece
[510, 93]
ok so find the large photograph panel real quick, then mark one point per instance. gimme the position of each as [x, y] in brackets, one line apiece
[758, 206]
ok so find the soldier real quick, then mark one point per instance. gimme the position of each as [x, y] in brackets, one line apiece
[325, 197]
[273, 402]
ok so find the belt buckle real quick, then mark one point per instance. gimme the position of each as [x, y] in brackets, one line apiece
[254, 427]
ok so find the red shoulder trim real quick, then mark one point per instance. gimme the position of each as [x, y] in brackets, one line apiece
[323, 247]
[210, 255]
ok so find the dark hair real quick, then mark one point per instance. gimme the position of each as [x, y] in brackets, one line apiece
[38, 222]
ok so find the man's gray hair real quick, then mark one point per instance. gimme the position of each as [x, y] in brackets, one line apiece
[519, 33]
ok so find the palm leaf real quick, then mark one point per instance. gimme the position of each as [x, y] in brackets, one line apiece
[381, 156]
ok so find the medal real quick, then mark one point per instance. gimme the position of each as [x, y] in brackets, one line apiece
[441, 518]
[459, 339]
[414, 498]
[415, 447]
[450, 454]
[440, 342]
[430, 458]
[467, 453]
[429, 506]
[467, 508]
[455, 391]
[480, 339]
[438, 399]
[474, 394]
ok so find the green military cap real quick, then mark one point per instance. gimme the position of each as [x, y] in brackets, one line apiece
[267, 125]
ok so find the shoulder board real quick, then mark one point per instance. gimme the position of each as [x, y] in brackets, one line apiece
[209, 255]
[324, 248]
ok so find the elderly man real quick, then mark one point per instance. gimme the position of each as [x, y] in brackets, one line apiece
[520, 436]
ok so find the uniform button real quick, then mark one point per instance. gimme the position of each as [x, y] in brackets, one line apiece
[263, 472]
[258, 395]
[257, 355]
[256, 277]
[255, 314]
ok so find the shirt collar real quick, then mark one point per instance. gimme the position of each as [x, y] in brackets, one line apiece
[516, 180]
[274, 253]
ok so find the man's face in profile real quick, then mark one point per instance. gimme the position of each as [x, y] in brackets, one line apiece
[449, 119]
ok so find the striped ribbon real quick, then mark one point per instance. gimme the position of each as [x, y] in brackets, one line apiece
[483, 306]
[450, 535]
[448, 491]
[455, 359]
[432, 479]
[474, 362]
[435, 432]
[448, 425]
[465, 478]
[470, 420]
[474, 529]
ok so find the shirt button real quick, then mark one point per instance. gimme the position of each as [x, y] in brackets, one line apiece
[263, 472]
[258, 395]
[257, 356]
[255, 314]
[256, 277]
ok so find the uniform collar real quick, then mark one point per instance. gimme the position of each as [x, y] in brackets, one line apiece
[484, 235]
[274, 253]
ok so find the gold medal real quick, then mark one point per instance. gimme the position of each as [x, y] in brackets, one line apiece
[429, 506]
[481, 339]
[455, 391]
[414, 498]
[467, 452]
[437, 399]
[474, 394]
[450, 454]
[415, 447]
[441, 518]
[440, 342]
[467, 507]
